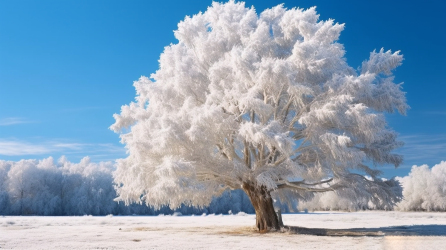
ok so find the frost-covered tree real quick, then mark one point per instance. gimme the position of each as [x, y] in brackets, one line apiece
[265, 103]
[22, 185]
[4, 196]
[87, 188]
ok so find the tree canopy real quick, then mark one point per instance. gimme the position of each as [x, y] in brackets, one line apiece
[263, 101]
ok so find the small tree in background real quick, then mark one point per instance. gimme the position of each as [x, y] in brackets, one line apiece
[265, 103]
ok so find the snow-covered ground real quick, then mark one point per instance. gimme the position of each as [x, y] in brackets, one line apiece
[386, 230]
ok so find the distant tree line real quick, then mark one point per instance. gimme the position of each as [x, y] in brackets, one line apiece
[46, 187]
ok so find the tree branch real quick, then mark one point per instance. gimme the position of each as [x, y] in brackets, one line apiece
[301, 185]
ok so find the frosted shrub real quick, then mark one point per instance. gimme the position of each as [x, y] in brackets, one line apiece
[424, 189]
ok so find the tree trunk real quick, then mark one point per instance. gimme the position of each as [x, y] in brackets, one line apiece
[266, 217]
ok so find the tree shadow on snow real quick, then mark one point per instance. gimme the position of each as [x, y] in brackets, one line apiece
[414, 230]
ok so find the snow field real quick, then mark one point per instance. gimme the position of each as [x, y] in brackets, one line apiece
[420, 231]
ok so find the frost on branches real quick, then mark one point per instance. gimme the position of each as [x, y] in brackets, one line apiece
[265, 103]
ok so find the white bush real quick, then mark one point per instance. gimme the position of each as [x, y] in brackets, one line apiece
[424, 189]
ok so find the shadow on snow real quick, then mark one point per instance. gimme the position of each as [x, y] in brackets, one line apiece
[414, 230]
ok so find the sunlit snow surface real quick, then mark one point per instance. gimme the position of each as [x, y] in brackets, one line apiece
[392, 230]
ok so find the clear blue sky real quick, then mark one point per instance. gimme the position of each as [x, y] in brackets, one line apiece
[67, 66]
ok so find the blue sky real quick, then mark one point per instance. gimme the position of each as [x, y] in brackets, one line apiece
[67, 66]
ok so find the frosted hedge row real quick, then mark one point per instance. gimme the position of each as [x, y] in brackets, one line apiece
[46, 187]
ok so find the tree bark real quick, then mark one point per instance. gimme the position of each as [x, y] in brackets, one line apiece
[266, 217]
